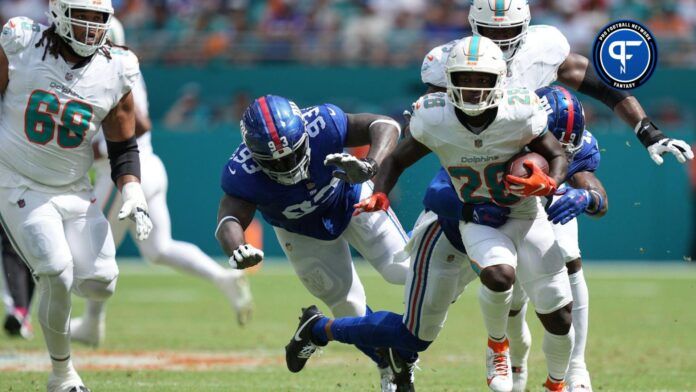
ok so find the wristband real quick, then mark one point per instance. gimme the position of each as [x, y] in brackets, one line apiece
[595, 205]
[647, 132]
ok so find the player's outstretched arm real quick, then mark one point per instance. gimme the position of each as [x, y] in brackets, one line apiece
[406, 153]
[381, 133]
[234, 216]
[124, 158]
[4, 71]
[576, 73]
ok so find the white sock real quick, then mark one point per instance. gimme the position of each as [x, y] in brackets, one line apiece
[54, 317]
[581, 310]
[557, 349]
[520, 338]
[94, 311]
[495, 308]
[190, 259]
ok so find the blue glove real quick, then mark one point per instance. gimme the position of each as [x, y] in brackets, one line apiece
[487, 214]
[572, 203]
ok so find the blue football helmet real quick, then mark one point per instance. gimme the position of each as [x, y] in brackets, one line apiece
[274, 131]
[566, 117]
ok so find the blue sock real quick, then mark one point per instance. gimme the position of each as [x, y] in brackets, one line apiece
[380, 329]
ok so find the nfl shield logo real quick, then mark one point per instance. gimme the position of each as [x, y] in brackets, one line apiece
[478, 143]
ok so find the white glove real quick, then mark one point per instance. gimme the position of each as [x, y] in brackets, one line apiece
[245, 256]
[351, 169]
[135, 207]
[680, 149]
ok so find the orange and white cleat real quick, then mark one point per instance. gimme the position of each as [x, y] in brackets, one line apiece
[498, 366]
[552, 385]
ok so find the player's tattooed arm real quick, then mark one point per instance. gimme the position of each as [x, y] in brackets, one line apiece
[549, 147]
[576, 73]
[4, 71]
[599, 203]
[234, 216]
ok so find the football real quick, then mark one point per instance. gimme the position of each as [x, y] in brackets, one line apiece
[516, 168]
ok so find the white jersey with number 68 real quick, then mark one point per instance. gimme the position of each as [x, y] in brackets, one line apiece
[52, 110]
[476, 163]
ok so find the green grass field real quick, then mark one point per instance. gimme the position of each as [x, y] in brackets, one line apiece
[169, 332]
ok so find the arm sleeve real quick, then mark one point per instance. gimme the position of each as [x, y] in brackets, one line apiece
[441, 198]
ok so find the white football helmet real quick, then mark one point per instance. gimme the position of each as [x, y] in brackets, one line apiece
[475, 54]
[501, 14]
[61, 14]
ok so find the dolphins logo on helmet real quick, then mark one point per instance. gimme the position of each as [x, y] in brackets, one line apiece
[60, 13]
[274, 131]
[566, 117]
[509, 18]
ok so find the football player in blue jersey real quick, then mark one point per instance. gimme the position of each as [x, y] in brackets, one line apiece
[440, 267]
[292, 168]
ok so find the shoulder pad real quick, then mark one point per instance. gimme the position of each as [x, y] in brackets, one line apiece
[430, 108]
[129, 67]
[553, 45]
[433, 68]
[17, 34]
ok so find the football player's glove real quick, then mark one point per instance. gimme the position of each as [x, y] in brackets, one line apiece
[487, 214]
[378, 201]
[657, 143]
[679, 148]
[572, 203]
[352, 169]
[135, 207]
[537, 184]
[245, 256]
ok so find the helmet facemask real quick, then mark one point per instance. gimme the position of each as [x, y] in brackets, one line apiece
[509, 46]
[474, 92]
[83, 27]
[289, 166]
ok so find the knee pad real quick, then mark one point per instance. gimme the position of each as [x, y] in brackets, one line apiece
[519, 297]
[95, 290]
[55, 301]
[344, 296]
[550, 293]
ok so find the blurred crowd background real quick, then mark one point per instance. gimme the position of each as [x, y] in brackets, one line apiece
[377, 32]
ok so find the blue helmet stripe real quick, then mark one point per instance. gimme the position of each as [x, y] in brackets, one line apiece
[474, 47]
[499, 7]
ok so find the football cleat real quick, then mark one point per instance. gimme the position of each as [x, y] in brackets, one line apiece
[386, 378]
[301, 347]
[86, 331]
[552, 385]
[236, 289]
[68, 382]
[579, 381]
[499, 370]
[519, 378]
[404, 376]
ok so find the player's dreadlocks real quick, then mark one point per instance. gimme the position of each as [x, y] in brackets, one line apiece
[53, 42]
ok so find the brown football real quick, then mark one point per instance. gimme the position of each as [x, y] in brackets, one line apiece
[517, 169]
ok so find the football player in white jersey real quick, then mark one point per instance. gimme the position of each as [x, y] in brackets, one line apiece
[159, 248]
[61, 84]
[537, 56]
[474, 130]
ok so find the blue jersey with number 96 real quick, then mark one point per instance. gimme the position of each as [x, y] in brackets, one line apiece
[319, 207]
